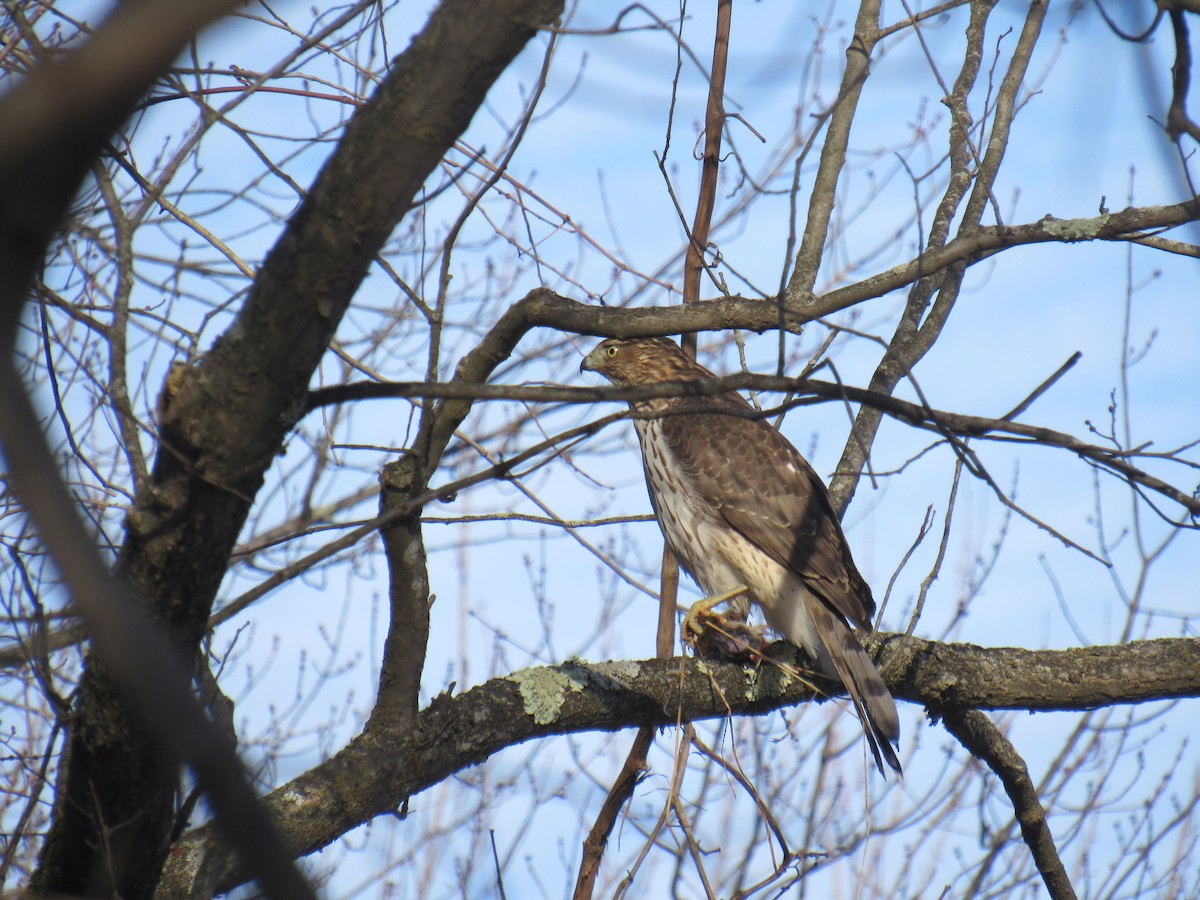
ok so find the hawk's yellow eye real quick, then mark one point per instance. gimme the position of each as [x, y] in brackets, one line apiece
[612, 351]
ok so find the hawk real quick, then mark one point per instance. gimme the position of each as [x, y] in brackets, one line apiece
[741, 509]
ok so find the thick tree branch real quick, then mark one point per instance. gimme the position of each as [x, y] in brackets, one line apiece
[1125, 225]
[376, 773]
[408, 594]
[226, 417]
[984, 741]
[1179, 122]
[1131, 224]
[965, 676]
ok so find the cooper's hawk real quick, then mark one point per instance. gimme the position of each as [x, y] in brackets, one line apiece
[741, 508]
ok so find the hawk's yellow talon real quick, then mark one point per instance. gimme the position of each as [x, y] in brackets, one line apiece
[692, 624]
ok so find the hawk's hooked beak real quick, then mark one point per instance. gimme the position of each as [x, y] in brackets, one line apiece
[591, 361]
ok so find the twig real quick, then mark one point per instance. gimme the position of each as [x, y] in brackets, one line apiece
[710, 164]
[1043, 387]
[496, 861]
[736, 773]
[922, 531]
[619, 794]
[929, 579]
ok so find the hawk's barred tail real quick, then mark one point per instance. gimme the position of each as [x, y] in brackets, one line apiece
[872, 700]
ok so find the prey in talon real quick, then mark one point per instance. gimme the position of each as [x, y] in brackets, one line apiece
[728, 637]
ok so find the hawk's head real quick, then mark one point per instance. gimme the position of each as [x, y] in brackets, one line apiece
[642, 361]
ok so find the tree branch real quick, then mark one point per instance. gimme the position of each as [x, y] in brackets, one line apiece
[1125, 225]
[408, 594]
[936, 420]
[983, 740]
[833, 158]
[375, 773]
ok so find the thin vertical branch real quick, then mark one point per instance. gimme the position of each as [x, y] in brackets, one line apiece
[919, 326]
[118, 387]
[710, 163]
[833, 157]
[694, 266]
[618, 795]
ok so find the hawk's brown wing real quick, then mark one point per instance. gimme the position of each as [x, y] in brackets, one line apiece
[763, 488]
[767, 491]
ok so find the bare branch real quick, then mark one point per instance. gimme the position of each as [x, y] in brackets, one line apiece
[985, 741]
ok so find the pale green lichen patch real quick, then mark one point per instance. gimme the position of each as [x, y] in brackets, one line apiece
[544, 689]
[608, 676]
[768, 681]
[293, 797]
[622, 668]
[1073, 229]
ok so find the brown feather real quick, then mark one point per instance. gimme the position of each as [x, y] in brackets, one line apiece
[872, 701]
